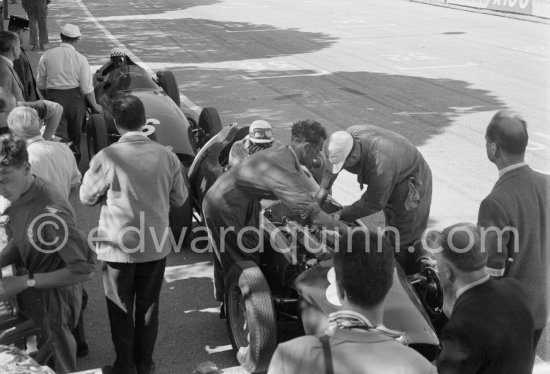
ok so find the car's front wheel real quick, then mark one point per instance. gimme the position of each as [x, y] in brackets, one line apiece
[250, 316]
[97, 136]
[210, 124]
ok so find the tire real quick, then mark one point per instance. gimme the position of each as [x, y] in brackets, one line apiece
[181, 218]
[97, 136]
[250, 316]
[210, 124]
[168, 83]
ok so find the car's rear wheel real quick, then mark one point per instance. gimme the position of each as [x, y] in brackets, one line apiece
[97, 136]
[167, 81]
[181, 218]
[210, 124]
[250, 316]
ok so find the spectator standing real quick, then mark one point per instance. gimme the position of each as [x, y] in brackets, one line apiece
[136, 180]
[64, 76]
[399, 183]
[56, 258]
[22, 66]
[10, 49]
[356, 341]
[490, 329]
[49, 113]
[516, 215]
[37, 10]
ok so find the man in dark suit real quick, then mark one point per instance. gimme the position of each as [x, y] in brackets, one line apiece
[10, 49]
[22, 66]
[490, 329]
[515, 215]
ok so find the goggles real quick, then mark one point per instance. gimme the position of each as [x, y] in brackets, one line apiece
[261, 134]
[119, 59]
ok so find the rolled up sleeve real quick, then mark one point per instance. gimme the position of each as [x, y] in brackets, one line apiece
[86, 85]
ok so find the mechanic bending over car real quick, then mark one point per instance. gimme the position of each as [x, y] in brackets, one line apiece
[399, 183]
[232, 205]
[260, 137]
[356, 341]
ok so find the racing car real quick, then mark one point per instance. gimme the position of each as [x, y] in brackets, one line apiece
[295, 283]
[179, 129]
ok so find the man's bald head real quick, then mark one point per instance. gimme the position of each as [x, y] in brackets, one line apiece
[7, 103]
[509, 131]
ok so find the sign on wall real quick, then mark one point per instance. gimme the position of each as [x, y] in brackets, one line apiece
[540, 8]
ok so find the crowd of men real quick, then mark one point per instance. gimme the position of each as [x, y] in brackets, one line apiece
[496, 284]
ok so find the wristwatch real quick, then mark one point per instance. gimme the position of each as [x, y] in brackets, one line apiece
[31, 282]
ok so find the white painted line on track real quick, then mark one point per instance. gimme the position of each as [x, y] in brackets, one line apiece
[221, 348]
[136, 59]
[324, 72]
[182, 272]
[206, 310]
[335, 3]
[248, 30]
[245, 6]
[365, 26]
[436, 66]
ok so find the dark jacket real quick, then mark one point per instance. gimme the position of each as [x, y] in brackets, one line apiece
[490, 331]
[387, 161]
[23, 68]
[10, 80]
[520, 200]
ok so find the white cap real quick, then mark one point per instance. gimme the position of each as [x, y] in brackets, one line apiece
[71, 31]
[260, 125]
[337, 149]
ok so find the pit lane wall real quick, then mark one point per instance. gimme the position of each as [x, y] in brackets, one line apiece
[538, 8]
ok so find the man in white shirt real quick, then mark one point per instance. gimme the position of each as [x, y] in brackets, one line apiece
[64, 76]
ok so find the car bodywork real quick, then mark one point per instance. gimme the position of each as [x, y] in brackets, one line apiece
[168, 124]
[179, 129]
[294, 282]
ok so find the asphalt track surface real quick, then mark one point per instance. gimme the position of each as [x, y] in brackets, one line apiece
[433, 74]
